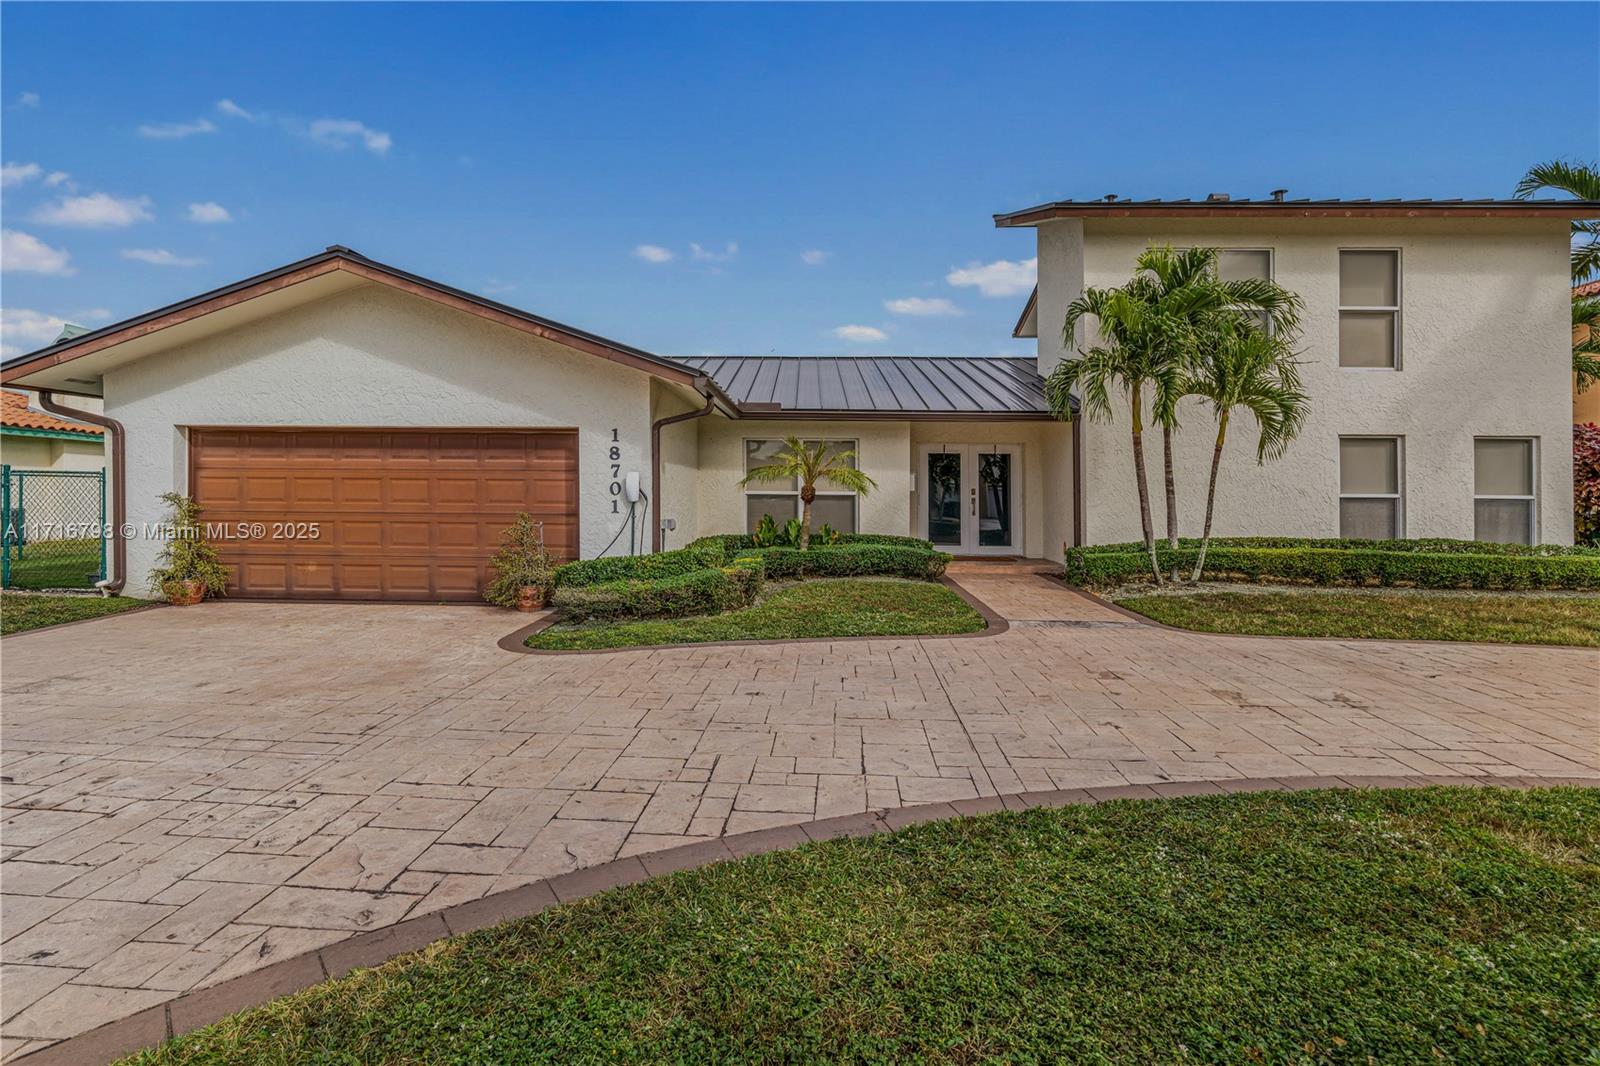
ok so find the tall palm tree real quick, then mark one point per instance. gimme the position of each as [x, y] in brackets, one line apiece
[1581, 180]
[1124, 362]
[1242, 367]
[809, 464]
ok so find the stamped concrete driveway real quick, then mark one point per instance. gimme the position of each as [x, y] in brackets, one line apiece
[190, 795]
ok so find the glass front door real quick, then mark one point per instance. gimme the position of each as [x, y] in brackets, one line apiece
[969, 498]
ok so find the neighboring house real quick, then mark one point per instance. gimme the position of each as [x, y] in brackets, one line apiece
[31, 439]
[363, 432]
[1585, 404]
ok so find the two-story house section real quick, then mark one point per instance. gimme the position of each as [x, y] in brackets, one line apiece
[1435, 349]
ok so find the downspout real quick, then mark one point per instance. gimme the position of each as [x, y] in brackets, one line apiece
[655, 460]
[119, 488]
[1077, 481]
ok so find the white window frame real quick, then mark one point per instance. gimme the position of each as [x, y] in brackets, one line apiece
[1533, 480]
[851, 445]
[1398, 496]
[1399, 298]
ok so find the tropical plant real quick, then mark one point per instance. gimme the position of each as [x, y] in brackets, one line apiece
[1586, 483]
[522, 561]
[1152, 326]
[810, 463]
[769, 534]
[1242, 367]
[1580, 180]
[827, 534]
[186, 555]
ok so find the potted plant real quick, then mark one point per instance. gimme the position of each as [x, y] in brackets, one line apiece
[187, 570]
[523, 570]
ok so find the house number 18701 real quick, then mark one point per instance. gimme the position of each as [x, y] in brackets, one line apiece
[614, 454]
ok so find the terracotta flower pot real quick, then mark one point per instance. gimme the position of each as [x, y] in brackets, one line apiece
[530, 598]
[185, 593]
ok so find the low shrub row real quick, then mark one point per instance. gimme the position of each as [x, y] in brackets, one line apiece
[1426, 545]
[862, 559]
[1450, 569]
[700, 555]
[736, 542]
[707, 590]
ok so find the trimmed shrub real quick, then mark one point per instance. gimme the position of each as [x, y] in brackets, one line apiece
[1430, 545]
[854, 560]
[734, 542]
[697, 556]
[1586, 482]
[708, 590]
[1095, 567]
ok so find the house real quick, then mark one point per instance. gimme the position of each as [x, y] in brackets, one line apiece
[1585, 404]
[357, 431]
[31, 439]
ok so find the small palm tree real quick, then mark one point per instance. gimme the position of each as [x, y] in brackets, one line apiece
[809, 464]
[1586, 340]
[1243, 367]
[1581, 180]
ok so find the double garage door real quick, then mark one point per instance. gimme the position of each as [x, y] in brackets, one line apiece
[377, 514]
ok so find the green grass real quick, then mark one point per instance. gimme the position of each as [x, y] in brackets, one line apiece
[56, 564]
[20, 613]
[1440, 925]
[1501, 619]
[845, 607]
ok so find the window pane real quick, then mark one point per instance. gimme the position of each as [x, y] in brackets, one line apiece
[1503, 467]
[1368, 519]
[944, 497]
[838, 447]
[1503, 521]
[759, 453]
[994, 499]
[1369, 464]
[781, 508]
[1235, 265]
[1366, 338]
[1369, 279]
[836, 511]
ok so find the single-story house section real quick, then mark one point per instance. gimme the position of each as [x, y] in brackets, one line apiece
[357, 431]
[31, 439]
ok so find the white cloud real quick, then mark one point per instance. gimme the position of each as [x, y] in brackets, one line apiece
[494, 287]
[58, 178]
[95, 211]
[1003, 277]
[27, 254]
[652, 253]
[160, 257]
[22, 330]
[921, 307]
[17, 173]
[814, 257]
[710, 255]
[233, 110]
[343, 132]
[91, 314]
[860, 334]
[210, 211]
[176, 131]
[28, 100]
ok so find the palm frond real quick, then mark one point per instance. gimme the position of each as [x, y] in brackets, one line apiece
[1580, 180]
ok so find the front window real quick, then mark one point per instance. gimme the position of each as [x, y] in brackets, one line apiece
[1247, 264]
[1370, 496]
[1369, 309]
[781, 499]
[1504, 498]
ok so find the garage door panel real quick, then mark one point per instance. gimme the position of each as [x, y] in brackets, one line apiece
[407, 515]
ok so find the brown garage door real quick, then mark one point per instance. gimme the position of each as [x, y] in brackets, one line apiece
[398, 514]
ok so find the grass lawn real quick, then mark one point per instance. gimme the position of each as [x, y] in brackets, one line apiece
[56, 564]
[1523, 618]
[19, 613]
[1439, 925]
[842, 607]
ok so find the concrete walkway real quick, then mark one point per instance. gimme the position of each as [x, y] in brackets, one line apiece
[193, 795]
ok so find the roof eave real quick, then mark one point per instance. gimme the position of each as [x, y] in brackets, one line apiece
[1032, 216]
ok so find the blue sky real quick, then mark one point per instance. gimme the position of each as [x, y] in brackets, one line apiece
[699, 179]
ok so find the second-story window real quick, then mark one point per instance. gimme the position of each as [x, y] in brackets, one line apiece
[1369, 309]
[1245, 264]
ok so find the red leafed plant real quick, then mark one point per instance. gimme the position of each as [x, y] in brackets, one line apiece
[1586, 482]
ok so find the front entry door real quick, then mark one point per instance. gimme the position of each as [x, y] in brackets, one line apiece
[970, 499]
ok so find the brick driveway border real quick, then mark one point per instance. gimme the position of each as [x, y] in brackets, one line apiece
[192, 795]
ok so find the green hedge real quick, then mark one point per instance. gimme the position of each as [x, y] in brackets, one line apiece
[705, 591]
[697, 556]
[854, 560]
[1450, 569]
[736, 542]
[1430, 545]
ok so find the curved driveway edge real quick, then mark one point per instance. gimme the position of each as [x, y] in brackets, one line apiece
[206, 1006]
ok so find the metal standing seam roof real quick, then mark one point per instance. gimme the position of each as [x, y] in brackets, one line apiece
[1323, 207]
[880, 385]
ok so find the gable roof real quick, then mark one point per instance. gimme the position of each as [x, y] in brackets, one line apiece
[883, 386]
[328, 268]
[16, 414]
[1028, 322]
[1305, 208]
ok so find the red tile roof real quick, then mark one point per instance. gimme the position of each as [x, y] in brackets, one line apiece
[1588, 288]
[15, 412]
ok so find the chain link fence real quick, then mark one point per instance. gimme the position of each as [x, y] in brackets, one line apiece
[54, 527]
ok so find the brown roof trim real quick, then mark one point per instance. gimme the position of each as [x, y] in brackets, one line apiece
[815, 415]
[1305, 209]
[337, 258]
[1027, 309]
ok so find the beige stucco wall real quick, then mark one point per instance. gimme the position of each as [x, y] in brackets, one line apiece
[374, 357]
[678, 495]
[27, 453]
[1485, 351]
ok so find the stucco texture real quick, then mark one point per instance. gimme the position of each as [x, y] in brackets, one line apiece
[373, 357]
[1485, 351]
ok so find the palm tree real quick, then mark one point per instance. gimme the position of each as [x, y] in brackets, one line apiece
[1241, 366]
[809, 464]
[1581, 180]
